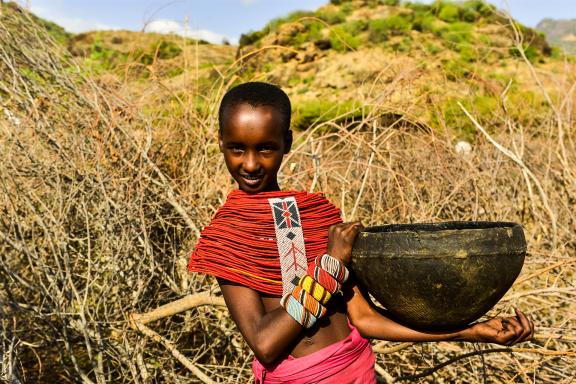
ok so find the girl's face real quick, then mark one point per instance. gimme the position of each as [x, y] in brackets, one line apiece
[254, 144]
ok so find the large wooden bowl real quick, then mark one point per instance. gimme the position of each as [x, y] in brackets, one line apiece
[439, 276]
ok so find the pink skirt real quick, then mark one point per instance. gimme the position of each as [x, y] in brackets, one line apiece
[348, 361]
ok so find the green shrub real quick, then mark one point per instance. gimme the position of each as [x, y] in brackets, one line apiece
[403, 45]
[432, 49]
[381, 29]
[332, 17]
[505, 80]
[456, 70]
[294, 81]
[457, 34]
[275, 23]
[530, 51]
[556, 53]
[102, 58]
[534, 39]
[469, 15]
[397, 25]
[469, 53]
[419, 8]
[312, 112]
[311, 33]
[251, 38]
[427, 23]
[482, 107]
[355, 27]
[347, 8]
[308, 80]
[343, 41]
[167, 50]
[144, 57]
[448, 12]
[481, 7]
[373, 3]
[378, 31]
[174, 71]
[527, 106]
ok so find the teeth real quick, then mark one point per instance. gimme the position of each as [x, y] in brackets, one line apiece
[251, 180]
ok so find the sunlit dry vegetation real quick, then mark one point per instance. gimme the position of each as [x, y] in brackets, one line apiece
[105, 184]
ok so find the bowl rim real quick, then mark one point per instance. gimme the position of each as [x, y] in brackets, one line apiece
[440, 226]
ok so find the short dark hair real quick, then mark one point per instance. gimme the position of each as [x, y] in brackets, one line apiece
[256, 94]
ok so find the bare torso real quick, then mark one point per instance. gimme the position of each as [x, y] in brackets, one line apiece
[331, 328]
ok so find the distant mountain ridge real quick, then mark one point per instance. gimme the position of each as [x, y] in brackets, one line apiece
[561, 33]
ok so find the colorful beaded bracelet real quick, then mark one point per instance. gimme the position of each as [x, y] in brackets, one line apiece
[297, 311]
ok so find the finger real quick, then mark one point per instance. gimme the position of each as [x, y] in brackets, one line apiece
[508, 333]
[518, 330]
[353, 228]
[529, 332]
[527, 328]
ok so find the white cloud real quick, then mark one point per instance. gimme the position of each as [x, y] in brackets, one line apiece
[71, 24]
[248, 2]
[172, 26]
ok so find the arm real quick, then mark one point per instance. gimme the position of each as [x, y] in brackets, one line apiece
[267, 334]
[372, 324]
[270, 333]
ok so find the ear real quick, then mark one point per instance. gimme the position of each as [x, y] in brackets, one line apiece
[220, 141]
[288, 141]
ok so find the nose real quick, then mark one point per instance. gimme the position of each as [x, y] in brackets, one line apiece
[250, 164]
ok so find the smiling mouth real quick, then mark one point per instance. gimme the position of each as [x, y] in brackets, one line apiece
[251, 180]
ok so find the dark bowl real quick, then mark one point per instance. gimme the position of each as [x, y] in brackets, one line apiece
[439, 276]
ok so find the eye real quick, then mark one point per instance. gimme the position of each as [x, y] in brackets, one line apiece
[267, 149]
[235, 148]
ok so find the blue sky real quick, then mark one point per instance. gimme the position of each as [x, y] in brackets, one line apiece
[217, 19]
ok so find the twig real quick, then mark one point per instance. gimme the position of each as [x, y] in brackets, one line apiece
[521, 164]
[177, 354]
[382, 372]
[541, 271]
[430, 371]
[379, 348]
[180, 305]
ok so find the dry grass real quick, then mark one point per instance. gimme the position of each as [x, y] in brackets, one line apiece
[100, 209]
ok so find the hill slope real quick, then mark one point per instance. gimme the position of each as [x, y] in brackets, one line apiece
[434, 55]
[54, 30]
[560, 32]
[414, 61]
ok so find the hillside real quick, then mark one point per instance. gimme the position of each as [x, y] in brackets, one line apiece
[333, 61]
[54, 30]
[561, 33]
[148, 54]
[346, 50]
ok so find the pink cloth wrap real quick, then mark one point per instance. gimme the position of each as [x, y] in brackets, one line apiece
[348, 361]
